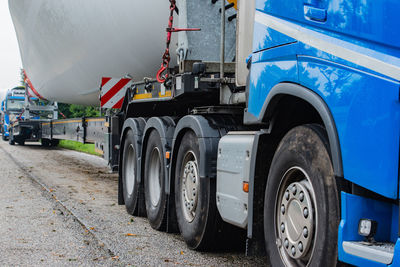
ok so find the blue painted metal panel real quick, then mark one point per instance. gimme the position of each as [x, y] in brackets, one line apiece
[364, 104]
[267, 38]
[364, 21]
[16, 97]
[355, 208]
[269, 68]
[366, 111]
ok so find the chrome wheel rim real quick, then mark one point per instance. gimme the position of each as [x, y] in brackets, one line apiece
[295, 218]
[130, 166]
[154, 176]
[189, 186]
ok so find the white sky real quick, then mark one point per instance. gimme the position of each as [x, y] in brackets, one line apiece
[10, 60]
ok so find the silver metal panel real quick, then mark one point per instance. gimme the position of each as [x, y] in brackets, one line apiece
[205, 44]
[244, 36]
[233, 168]
[95, 130]
[68, 129]
[380, 252]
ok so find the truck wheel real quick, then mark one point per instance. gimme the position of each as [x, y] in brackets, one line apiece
[129, 181]
[154, 182]
[54, 142]
[194, 197]
[45, 142]
[21, 143]
[11, 140]
[301, 207]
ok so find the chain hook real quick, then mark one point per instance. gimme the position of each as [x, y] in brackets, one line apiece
[166, 57]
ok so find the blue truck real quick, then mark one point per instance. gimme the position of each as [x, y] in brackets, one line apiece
[280, 124]
[293, 138]
[23, 115]
[309, 166]
[12, 108]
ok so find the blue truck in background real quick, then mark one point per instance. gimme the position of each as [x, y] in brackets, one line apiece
[22, 115]
[12, 108]
[287, 136]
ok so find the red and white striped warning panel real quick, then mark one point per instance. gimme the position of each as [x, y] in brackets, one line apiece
[113, 91]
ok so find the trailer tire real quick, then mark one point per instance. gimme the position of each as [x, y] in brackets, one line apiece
[11, 140]
[297, 227]
[45, 142]
[196, 213]
[154, 182]
[54, 142]
[129, 166]
[21, 143]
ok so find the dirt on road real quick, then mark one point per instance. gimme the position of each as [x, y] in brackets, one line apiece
[75, 195]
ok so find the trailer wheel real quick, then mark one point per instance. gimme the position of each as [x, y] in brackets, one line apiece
[130, 184]
[154, 182]
[21, 142]
[301, 207]
[194, 197]
[45, 142]
[54, 142]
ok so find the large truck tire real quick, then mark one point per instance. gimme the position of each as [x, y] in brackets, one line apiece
[129, 179]
[154, 182]
[54, 142]
[301, 205]
[21, 142]
[45, 142]
[196, 209]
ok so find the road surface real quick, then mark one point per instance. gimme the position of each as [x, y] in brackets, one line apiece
[59, 207]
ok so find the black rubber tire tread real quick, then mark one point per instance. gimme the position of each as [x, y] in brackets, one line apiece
[45, 142]
[130, 200]
[201, 233]
[11, 141]
[54, 142]
[21, 143]
[155, 214]
[307, 147]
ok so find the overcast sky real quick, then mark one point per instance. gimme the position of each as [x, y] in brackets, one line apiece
[10, 61]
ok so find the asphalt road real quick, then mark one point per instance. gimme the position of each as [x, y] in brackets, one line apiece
[59, 207]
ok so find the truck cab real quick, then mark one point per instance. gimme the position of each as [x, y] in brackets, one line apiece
[12, 108]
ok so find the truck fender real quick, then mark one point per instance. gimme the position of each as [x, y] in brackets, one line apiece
[137, 125]
[165, 126]
[208, 137]
[314, 100]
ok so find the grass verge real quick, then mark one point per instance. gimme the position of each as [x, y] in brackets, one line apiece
[74, 145]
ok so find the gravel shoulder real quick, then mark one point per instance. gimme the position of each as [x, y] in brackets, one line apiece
[35, 230]
[86, 188]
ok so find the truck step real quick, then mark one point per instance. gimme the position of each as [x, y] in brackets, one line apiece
[379, 252]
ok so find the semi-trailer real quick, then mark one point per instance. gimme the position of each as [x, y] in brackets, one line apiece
[281, 118]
